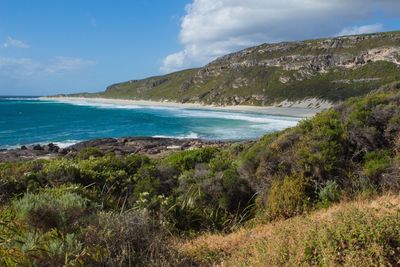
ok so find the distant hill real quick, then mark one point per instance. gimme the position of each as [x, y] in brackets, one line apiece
[330, 69]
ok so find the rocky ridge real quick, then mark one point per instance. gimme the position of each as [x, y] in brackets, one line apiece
[331, 69]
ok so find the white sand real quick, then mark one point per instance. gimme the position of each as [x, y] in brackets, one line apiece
[294, 109]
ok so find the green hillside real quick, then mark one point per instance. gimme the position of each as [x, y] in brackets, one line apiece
[332, 69]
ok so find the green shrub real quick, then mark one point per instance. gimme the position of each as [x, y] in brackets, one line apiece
[365, 187]
[134, 162]
[59, 208]
[187, 160]
[219, 164]
[18, 177]
[147, 181]
[329, 194]
[108, 172]
[322, 145]
[127, 239]
[61, 171]
[88, 152]
[238, 195]
[23, 248]
[289, 197]
[376, 162]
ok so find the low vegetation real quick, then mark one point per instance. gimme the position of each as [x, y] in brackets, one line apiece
[362, 233]
[296, 71]
[303, 196]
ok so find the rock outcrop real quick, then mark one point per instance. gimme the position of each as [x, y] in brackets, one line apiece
[119, 146]
[271, 73]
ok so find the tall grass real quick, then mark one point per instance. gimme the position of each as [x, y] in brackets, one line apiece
[362, 233]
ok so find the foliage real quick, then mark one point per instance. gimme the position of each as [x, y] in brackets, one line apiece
[376, 162]
[126, 239]
[345, 152]
[329, 194]
[289, 197]
[88, 152]
[84, 209]
[59, 208]
[187, 160]
[348, 234]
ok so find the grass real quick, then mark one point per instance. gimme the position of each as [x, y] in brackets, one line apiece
[360, 233]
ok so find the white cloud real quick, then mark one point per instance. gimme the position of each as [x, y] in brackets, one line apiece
[361, 29]
[212, 28]
[15, 67]
[25, 67]
[66, 64]
[11, 42]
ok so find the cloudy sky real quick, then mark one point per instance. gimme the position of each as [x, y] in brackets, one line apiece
[49, 46]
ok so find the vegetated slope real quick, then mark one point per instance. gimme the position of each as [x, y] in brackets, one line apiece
[349, 152]
[104, 209]
[360, 233]
[330, 69]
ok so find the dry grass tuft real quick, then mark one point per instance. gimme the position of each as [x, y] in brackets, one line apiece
[360, 233]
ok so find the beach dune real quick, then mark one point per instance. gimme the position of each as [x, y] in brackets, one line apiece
[286, 108]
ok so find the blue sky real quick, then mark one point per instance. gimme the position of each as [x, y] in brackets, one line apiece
[49, 46]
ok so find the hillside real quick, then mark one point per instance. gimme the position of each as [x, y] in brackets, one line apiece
[265, 199]
[330, 69]
[358, 233]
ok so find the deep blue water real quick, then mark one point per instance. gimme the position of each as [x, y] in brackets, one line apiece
[30, 120]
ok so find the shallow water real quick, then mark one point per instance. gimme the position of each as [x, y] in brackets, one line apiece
[27, 120]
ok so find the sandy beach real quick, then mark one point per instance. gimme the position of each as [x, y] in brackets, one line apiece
[296, 109]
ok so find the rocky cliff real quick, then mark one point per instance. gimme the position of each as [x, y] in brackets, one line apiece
[328, 69]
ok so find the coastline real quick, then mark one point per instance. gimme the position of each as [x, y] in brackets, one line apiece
[150, 146]
[298, 109]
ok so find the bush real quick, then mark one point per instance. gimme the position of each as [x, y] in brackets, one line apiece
[376, 162]
[23, 248]
[127, 239]
[88, 152]
[187, 160]
[329, 194]
[59, 208]
[289, 197]
[60, 171]
[322, 146]
[134, 162]
[147, 181]
[18, 177]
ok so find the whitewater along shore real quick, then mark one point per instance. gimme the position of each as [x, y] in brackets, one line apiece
[306, 108]
[150, 146]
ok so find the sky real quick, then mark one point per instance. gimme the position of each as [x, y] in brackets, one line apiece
[67, 46]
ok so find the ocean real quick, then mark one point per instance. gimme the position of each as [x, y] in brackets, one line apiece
[29, 120]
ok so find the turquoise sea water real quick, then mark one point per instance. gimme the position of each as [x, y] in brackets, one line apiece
[25, 120]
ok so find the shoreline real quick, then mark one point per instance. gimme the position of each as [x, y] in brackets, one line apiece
[298, 109]
[150, 146]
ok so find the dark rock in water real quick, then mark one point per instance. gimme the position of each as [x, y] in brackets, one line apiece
[64, 151]
[52, 148]
[37, 147]
[120, 146]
